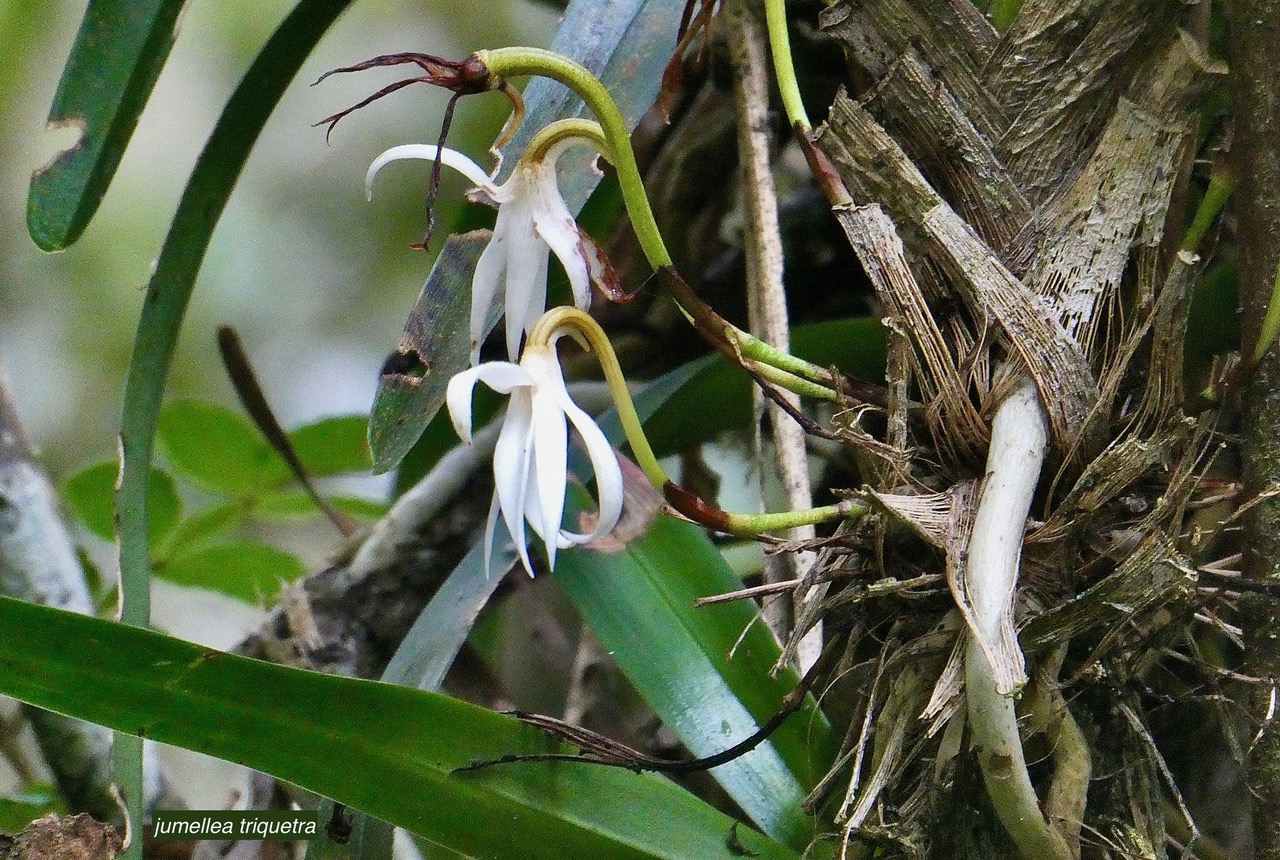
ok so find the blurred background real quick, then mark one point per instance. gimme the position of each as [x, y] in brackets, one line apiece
[317, 281]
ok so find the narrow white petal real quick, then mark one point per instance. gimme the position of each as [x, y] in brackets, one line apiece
[490, 269]
[501, 376]
[550, 450]
[526, 260]
[489, 529]
[557, 228]
[608, 474]
[458, 398]
[428, 152]
[511, 469]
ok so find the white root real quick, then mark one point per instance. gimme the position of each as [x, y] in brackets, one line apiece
[1019, 439]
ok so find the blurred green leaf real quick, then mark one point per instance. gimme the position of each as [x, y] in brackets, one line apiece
[217, 448]
[20, 807]
[90, 494]
[381, 748]
[332, 446]
[246, 570]
[435, 346]
[296, 503]
[200, 527]
[113, 66]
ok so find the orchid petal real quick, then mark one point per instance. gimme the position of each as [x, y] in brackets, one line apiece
[608, 473]
[557, 228]
[427, 152]
[511, 469]
[501, 376]
[489, 531]
[550, 450]
[490, 269]
[526, 257]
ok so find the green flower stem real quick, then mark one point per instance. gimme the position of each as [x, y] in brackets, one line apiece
[568, 319]
[549, 135]
[789, 381]
[511, 62]
[754, 348]
[775, 16]
[754, 524]
[584, 329]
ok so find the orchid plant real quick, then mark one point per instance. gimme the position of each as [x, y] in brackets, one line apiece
[533, 222]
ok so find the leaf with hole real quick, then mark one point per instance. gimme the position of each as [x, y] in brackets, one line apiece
[113, 66]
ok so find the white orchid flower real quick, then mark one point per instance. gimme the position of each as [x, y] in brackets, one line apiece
[530, 460]
[532, 220]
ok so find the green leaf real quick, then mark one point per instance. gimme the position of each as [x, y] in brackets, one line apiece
[217, 448]
[20, 807]
[90, 493]
[297, 503]
[384, 749]
[639, 603]
[201, 527]
[114, 63]
[421, 661]
[248, 571]
[435, 346]
[332, 446]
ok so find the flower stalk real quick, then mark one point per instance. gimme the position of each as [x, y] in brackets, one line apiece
[584, 329]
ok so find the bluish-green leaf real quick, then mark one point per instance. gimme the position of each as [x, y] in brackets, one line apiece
[90, 493]
[704, 678]
[381, 748]
[114, 63]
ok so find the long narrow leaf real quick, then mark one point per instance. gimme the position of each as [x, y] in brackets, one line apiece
[168, 293]
[382, 748]
[695, 667]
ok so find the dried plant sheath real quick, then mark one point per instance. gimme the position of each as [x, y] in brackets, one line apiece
[951, 36]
